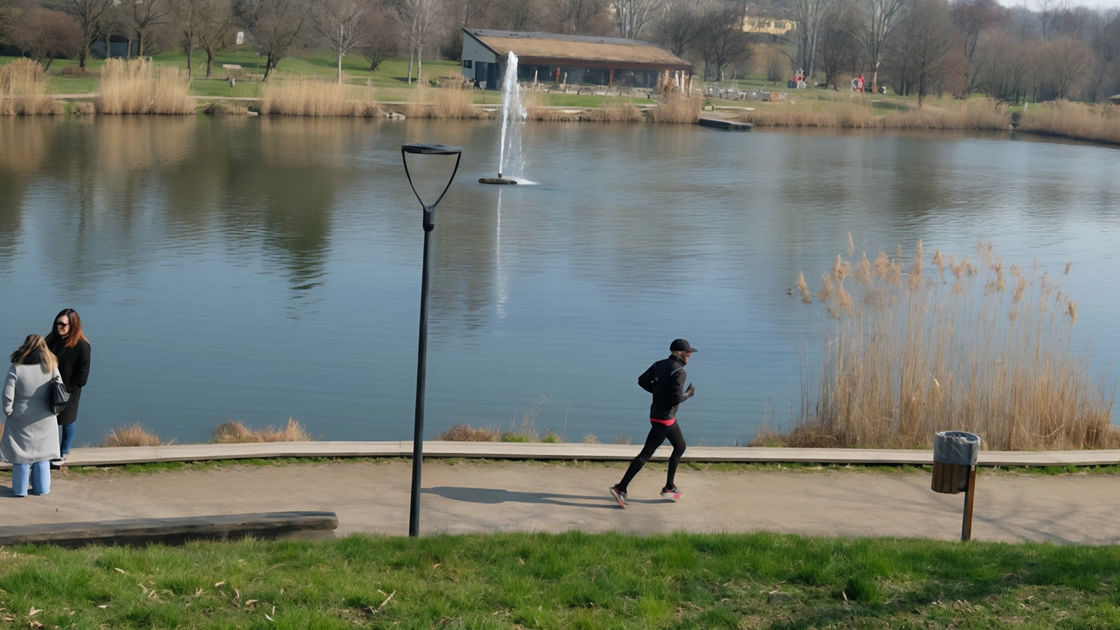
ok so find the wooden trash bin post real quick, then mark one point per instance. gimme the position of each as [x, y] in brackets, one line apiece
[954, 470]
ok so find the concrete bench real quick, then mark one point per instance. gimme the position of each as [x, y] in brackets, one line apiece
[173, 531]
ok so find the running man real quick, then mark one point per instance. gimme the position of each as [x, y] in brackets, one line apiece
[665, 380]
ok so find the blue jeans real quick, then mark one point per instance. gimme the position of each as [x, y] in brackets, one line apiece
[66, 437]
[39, 474]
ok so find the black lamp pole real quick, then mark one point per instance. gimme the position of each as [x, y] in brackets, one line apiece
[422, 352]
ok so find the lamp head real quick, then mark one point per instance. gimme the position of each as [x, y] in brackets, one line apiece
[430, 186]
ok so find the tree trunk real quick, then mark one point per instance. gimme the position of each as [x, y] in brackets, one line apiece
[140, 44]
[190, 57]
[340, 53]
[50, 60]
[420, 62]
[209, 61]
[411, 54]
[108, 50]
[82, 56]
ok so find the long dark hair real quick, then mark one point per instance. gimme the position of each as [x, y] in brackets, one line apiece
[73, 335]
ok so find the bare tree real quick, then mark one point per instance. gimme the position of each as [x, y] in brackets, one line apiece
[278, 27]
[336, 21]
[723, 41]
[809, 16]
[1064, 65]
[581, 17]
[1002, 64]
[972, 18]
[418, 17]
[837, 50]
[927, 36]
[46, 34]
[187, 16]
[877, 20]
[91, 16]
[679, 24]
[632, 16]
[378, 37]
[215, 28]
[141, 17]
[516, 15]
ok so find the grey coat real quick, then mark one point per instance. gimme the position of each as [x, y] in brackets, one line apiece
[30, 428]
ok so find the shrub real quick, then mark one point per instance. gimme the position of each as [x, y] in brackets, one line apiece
[427, 102]
[23, 90]
[466, 433]
[317, 97]
[131, 435]
[234, 432]
[675, 107]
[140, 87]
[916, 353]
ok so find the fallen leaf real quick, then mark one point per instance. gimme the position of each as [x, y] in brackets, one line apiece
[436, 565]
[198, 592]
[103, 606]
[36, 624]
[267, 617]
[33, 612]
[250, 602]
[119, 570]
[219, 584]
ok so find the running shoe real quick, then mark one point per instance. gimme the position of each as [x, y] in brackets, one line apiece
[57, 463]
[619, 496]
[673, 494]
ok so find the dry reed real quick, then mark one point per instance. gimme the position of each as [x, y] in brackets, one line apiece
[23, 90]
[131, 435]
[235, 432]
[1096, 123]
[949, 348]
[428, 102]
[675, 107]
[858, 113]
[466, 433]
[140, 87]
[317, 97]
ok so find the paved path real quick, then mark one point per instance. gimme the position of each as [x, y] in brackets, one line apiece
[518, 496]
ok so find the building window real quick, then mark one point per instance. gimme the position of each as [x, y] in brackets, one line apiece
[467, 63]
[779, 24]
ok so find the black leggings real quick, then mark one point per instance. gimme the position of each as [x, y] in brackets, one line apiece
[657, 434]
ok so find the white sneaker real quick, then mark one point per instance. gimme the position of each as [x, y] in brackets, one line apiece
[673, 494]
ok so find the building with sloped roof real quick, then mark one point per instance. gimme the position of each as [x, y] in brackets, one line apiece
[569, 59]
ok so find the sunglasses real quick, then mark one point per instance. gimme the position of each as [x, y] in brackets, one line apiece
[62, 324]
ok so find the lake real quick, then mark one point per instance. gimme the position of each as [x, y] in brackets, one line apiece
[256, 268]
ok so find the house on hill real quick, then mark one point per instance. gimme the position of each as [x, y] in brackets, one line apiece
[569, 59]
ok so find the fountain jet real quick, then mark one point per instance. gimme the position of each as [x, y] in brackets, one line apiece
[511, 165]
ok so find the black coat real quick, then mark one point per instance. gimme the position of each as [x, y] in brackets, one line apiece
[665, 380]
[73, 364]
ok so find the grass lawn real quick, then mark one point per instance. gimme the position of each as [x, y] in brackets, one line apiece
[572, 580]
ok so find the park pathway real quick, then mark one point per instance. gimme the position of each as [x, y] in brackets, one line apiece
[472, 496]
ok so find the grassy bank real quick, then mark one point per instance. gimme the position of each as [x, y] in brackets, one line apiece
[565, 581]
[1094, 123]
[830, 109]
[932, 344]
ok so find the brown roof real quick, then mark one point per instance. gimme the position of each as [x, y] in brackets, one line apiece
[577, 51]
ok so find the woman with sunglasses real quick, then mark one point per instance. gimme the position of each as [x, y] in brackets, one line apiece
[70, 345]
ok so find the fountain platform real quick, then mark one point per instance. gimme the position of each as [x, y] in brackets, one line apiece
[499, 181]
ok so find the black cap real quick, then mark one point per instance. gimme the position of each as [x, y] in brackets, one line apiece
[680, 345]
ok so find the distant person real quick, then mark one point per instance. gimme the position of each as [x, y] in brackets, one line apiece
[67, 341]
[859, 84]
[30, 437]
[664, 379]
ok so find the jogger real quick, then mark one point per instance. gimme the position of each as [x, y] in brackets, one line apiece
[665, 380]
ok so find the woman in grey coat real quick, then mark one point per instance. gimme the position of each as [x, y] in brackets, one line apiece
[30, 438]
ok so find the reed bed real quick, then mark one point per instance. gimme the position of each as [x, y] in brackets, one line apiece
[1096, 123]
[23, 90]
[614, 112]
[235, 432]
[858, 113]
[455, 103]
[131, 435]
[977, 346]
[675, 107]
[139, 87]
[317, 97]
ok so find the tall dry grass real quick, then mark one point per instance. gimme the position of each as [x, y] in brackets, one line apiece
[131, 435]
[941, 343]
[1096, 123]
[536, 110]
[429, 102]
[235, 432]
[23, 90]
[858, 113]
[675, 107]
[139, 87]
[317, 97]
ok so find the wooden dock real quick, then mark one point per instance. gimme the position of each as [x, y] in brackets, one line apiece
[726, 125]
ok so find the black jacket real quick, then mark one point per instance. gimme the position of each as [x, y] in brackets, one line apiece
[73, 365]
[665, 380]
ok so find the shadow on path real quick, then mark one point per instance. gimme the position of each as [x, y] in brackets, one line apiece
[494, 496]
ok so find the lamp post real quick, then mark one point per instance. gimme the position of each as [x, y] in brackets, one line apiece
[416, 150]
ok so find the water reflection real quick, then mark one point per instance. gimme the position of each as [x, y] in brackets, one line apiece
[260, 268]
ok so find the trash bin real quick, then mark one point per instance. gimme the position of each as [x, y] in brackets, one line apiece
[954, 457]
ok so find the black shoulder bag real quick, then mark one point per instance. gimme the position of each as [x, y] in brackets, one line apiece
[59, 396]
